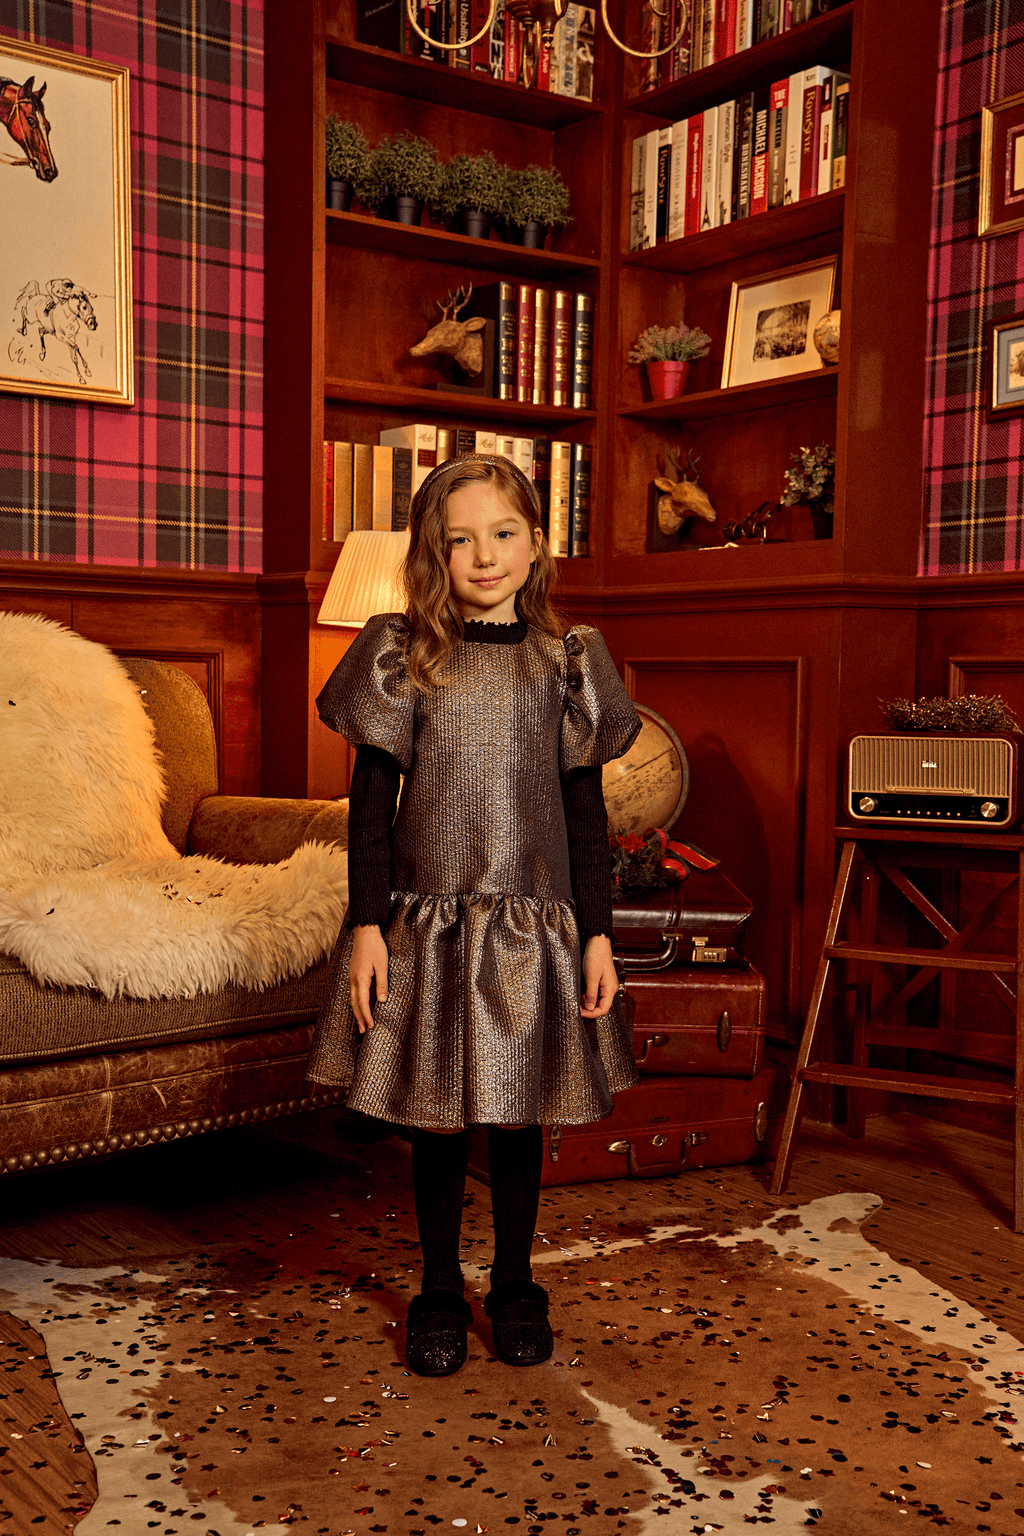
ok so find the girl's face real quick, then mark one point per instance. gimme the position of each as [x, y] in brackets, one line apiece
[492, 549]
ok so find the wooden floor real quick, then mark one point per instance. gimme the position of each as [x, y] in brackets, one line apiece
[230, 1212]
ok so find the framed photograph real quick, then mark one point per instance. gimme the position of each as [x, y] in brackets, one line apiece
[1006, 367]
[66, 273]
[772, 320]
[1001, 203]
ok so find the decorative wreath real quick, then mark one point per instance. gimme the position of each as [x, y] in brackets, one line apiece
[648, 861]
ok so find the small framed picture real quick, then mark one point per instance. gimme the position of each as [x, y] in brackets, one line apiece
[66, 273]
[1001, 203]
[772, 320]
[1006, 367]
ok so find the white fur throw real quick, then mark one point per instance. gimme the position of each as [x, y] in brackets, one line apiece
[91, 892]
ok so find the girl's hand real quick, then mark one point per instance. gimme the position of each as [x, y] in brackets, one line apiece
[599, 976]
[368, 965]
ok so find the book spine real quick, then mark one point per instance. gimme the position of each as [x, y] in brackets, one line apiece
[708, 47]
[636, 195]
[529, 48]
[725, 29]
[840, 132]
[511, 52]
[506, 447]
[677, 182]
[787, 16]
[541, 346]
[465, 441]
[794, 122]
[506, 341]
[579, 512]
[522, 455]
[462, 57]
[341, 521]
[769, 22]
[378, 22]
[810, 127]
[362, 486]
[777, 144]
[328, 490]
[542, 479]
[664, 173]
[401, 488]
[485, 442]
[383, 471]
[759, 157]
[479, 53]
[650, 40]
[694, 166]
[744, 128]
[709, 171]
[744, 25]
[561, 498]
[447, 445]
[582, 350]
[825, 136]
[682, 53]
[496, 50]
[650, 190]
[544, 67]
[524, 344]
[726, 159]
[568, 61]
[561, 347]
[585, 44]
[696, 60]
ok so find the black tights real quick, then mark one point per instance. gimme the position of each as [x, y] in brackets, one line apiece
[439, 1185]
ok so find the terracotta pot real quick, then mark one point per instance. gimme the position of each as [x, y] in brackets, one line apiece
[667, 379]
[339, 194]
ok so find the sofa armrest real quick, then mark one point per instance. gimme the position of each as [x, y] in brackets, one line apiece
[250, 829]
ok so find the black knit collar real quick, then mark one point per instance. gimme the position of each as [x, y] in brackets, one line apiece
[483, 632]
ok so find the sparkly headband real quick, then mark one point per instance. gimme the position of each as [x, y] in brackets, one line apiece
[496, 459]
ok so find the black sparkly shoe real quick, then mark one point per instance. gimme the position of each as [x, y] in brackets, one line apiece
[435, 1333]
[519, 1323]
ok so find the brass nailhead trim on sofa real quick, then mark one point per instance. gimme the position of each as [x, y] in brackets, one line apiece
[103, 1146]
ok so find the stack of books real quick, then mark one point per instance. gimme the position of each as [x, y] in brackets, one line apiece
[371, 485]
[774, 146]
[543, 342]
[510, 51]
[715, 30]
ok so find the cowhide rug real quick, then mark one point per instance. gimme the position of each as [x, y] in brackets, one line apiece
[92, 894]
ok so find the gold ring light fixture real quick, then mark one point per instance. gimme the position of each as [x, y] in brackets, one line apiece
[546, 14]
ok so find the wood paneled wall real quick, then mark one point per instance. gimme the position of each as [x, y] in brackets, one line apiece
[208, 625]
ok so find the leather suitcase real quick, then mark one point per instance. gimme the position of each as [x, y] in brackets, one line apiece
[665, 1125]
[699, 921]
[698, 1022]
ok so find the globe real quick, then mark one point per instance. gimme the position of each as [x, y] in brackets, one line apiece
[647, 787]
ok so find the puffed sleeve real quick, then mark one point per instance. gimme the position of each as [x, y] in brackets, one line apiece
[599, 722]
[368, 698]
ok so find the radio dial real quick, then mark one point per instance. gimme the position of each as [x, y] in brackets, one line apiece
[989, 809]
[867, 804]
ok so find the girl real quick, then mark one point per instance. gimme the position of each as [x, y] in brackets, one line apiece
[461, 922]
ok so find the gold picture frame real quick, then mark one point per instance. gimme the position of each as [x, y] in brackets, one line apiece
[66, 283]
[1001, 199]
[771, 322]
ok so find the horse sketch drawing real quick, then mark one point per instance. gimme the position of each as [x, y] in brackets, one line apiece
[22, 114]
[59, 313]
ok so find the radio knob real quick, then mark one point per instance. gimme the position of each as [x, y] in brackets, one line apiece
[989, 809]
[867, 804]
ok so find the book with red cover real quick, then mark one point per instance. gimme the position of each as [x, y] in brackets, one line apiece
[524, 348]
[479, 53]
[759, 158]
[511, 49]
[694, 172]
[777, 143]
[810, 130]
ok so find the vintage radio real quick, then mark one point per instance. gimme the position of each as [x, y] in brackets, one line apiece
[914, 777]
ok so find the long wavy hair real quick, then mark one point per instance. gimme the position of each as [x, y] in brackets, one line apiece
[434, 619]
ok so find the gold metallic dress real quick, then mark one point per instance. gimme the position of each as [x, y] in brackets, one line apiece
[482, 1020]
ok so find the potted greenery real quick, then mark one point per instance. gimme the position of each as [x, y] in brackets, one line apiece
[667, 352]
[473, 191]
[403, 175]
[348, 158]
[811, 483]
[536, 199]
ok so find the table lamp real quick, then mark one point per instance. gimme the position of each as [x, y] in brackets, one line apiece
[366, 579]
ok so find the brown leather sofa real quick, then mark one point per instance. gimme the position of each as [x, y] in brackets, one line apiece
[84, 1077]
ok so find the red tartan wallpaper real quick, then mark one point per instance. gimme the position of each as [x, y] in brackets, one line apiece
[175, 480]
[974, 476]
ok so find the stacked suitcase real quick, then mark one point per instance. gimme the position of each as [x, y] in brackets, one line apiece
[705, 1097]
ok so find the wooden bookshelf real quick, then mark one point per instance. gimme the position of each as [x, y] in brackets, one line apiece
[447, 404]
[779, 227]
[428, 243]
[798, 388]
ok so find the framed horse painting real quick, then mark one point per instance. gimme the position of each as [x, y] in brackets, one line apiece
[66, 270]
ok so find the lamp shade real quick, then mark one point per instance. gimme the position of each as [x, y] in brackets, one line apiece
[366, 579]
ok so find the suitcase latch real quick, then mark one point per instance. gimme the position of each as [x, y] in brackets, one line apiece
[706, 954]
[618, 1146]
[651, 1042]
[761, 1121]
[695, 1138]
[724, 1031]
[554, 1142]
